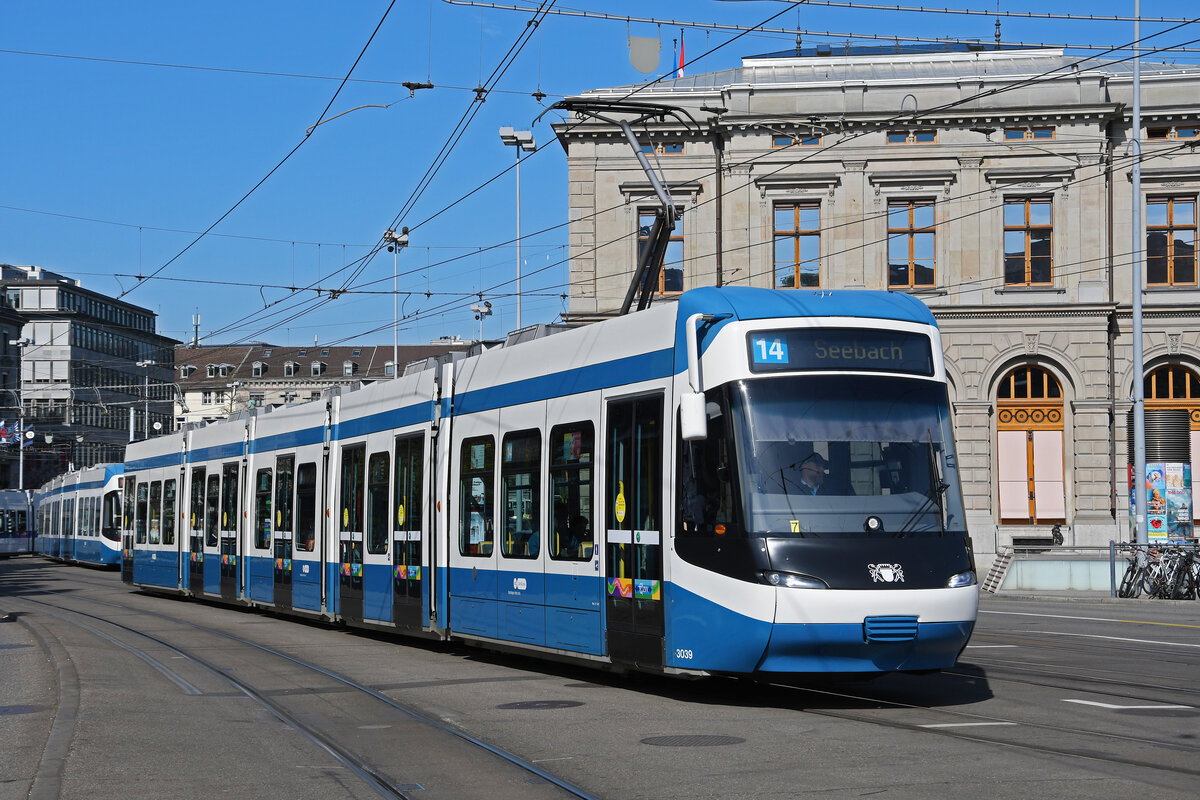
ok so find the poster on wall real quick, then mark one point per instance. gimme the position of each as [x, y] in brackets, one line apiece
[1156, 501]
[1179, 501]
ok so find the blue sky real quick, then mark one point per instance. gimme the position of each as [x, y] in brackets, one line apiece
[111, 168]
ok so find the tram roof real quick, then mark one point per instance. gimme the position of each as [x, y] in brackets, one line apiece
[746, 303]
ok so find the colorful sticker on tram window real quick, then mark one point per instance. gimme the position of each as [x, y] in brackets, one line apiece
[647, 590]
[414, 573]
[279, 565]
[345, 568]
[619, 508]
[224, 558]
[400, 515]
[620, 587]
[401, 572]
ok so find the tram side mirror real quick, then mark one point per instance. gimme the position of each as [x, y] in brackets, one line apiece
[693, 417]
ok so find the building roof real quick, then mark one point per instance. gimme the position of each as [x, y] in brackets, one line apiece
[370, 361]
[882, 64]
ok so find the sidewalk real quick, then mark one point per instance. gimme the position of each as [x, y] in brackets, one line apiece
[1079, 596]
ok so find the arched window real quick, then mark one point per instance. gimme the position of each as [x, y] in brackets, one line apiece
[1176, 386]
[1029, 423]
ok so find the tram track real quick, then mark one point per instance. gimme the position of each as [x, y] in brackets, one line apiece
[371, 774]
[1109, 753]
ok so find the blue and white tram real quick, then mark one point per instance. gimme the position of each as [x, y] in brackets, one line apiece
[16, 523]
[745, 481]
[78, 516]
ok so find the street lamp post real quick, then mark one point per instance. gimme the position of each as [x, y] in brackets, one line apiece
[521, 140]
[146, 399]
[395, 242]
[21, 344]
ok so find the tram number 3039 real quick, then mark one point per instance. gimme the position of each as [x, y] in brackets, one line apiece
[684, 655]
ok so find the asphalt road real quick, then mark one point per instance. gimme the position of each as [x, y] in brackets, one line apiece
[108, 693]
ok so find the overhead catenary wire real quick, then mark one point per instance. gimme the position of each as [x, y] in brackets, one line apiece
[282, 161]
[1008, 87]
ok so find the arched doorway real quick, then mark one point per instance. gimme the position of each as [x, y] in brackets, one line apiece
[1029, 427]
[1175, 386]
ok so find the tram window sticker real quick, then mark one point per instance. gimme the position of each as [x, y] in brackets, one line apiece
[840, 349]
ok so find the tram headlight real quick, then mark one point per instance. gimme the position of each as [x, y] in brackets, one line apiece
[791, 580]
[961, 579]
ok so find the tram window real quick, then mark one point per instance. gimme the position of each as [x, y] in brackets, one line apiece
[377, 504]
[229, 498]
[198, 500]
[353, 465]
[476, 483]
[409, 471]
[110, 520]
[81, 521]
[571, 452]
[284, 466]
[68, 516]
[168, 512]
[130, 490]
[306, 507]
[705, 486]
[155, 511]
[262, 509]
[520, 469]
[143, 500]
[212, 510]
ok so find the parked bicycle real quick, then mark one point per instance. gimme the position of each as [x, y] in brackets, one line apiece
[1165, 572]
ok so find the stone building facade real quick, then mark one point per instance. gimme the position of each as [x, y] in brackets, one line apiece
[992, 184]
[91, 370]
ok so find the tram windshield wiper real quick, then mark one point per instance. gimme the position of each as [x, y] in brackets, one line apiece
[937, 491]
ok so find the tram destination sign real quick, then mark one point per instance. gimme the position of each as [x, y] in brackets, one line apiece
[840, 349]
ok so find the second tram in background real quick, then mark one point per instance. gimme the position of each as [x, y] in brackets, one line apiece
[744, 481]
[79, 516]
[16, 522]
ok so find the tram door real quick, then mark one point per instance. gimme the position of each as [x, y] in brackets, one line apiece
[211, 562]
[634, 567]
[407, 518]
[127, 529]
[350, 536]
[195, 568]
[285, 467]
[230, 515]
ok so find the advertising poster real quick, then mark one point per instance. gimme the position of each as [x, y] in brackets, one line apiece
[1156, 501]
[1179, 501]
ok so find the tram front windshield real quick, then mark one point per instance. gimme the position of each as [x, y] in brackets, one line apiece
[846, 454]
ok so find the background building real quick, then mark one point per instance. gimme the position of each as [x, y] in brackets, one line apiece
[216, 380]
[91, 368]
[993, 184]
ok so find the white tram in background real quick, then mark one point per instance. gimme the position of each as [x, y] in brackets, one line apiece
[627, 493]
[78, 516]
[16, 523]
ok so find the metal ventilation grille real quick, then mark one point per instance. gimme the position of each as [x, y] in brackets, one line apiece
[890, 629]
